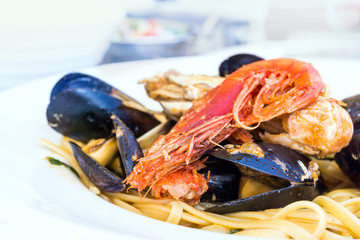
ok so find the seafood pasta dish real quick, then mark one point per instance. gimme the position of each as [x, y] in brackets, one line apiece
[261, 149]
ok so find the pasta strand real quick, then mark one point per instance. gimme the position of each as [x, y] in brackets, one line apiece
[175, 213]
[287, 227]
[340, 212]
[321, 226]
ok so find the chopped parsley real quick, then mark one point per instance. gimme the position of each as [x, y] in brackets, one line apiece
[60, 163]
[234, 230]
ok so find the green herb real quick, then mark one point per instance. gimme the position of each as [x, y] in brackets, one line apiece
[60, 163]
[234, 230]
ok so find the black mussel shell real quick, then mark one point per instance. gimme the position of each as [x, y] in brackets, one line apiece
[356, 131]
[83, 114]
[235, 62]
[273, 199]
[81, 80]
[223, 182]
[353, 108]
[348, 160]
[98, 175]
[129, 148]
[278, 161]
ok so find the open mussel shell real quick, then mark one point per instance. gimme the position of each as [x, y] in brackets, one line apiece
[224, 181]
[278, 165]
[235, 62]
[278, 161]
[83, 114]
[100, 176]
[273, 199]
[348, 160]
[129, 148]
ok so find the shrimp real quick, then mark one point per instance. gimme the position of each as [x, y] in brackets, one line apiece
[255, 93]
[321, 129]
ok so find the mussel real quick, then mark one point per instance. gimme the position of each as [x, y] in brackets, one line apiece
[99, 175]
[81, 80]
[224, 180]
[353, 108]
[129, 148]
[286, 171]
[235, 62]
[348, 157]
[81, 107]
[348, 160]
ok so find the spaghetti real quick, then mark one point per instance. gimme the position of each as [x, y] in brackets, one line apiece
[331, 216]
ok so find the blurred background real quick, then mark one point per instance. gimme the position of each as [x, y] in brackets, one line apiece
[44, 37]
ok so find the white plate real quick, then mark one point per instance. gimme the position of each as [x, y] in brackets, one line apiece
[49, 201]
